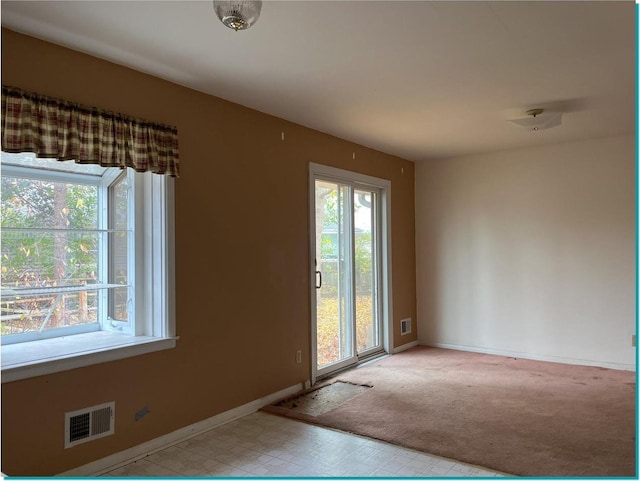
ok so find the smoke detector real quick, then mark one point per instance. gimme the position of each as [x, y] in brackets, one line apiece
[538, 119]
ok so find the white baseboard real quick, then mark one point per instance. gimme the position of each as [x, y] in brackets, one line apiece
[404, 347]
[534, 357]
[114, 461]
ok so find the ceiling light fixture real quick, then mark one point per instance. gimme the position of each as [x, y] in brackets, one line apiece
[538, 119]
[237, 14]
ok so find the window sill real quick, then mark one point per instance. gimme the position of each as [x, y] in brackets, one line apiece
[37, 358]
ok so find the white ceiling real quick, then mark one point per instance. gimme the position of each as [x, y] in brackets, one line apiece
[417, 79]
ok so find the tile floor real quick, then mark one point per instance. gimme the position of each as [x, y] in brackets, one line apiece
[265, 445]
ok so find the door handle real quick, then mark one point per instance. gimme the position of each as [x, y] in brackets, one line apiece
[318, 273]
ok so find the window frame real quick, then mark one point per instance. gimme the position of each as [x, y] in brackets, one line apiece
[68, 178]
[108, 216]
[152, 278]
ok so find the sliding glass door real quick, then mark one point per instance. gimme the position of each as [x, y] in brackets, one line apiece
[346, 242]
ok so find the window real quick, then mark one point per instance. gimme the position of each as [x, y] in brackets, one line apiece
[87, 264]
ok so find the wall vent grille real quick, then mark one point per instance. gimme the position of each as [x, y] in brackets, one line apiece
[405, 326]
[89, 424]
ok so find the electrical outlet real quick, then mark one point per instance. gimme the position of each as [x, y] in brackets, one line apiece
[633, 340]
[298, 356]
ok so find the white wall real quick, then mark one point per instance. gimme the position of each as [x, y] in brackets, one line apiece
[530, 252]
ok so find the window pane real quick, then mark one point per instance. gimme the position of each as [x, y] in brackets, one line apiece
[43, 278]
[333, 299]
[118, 248]
[48, 243]
[45, 204]
[367, 324]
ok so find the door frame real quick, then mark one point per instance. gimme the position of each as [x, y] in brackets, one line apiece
[324, 172]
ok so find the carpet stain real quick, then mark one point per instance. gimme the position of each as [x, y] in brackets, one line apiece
[325, 398]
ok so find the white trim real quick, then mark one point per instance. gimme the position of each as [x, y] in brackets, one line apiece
[534, 357]
[71, 352]
[404, 347]
[386, 273]
[347, 176]
[170, 258]
[314, 267]
[51, 175]
[114, 461]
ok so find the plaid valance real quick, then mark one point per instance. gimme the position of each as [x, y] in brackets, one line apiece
[62, 130]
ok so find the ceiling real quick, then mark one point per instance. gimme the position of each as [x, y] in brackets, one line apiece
[416, 79]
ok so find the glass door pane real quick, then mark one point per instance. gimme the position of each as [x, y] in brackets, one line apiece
[334, 281]
[366, 271]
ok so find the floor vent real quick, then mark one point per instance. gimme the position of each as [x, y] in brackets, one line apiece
[88, 424]
[405, 326]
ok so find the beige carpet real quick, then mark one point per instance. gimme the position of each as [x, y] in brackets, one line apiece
[522, 417]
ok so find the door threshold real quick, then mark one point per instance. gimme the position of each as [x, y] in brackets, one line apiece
[372, 358]
[361, 363]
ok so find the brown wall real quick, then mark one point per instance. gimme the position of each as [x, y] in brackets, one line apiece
[242, 275]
